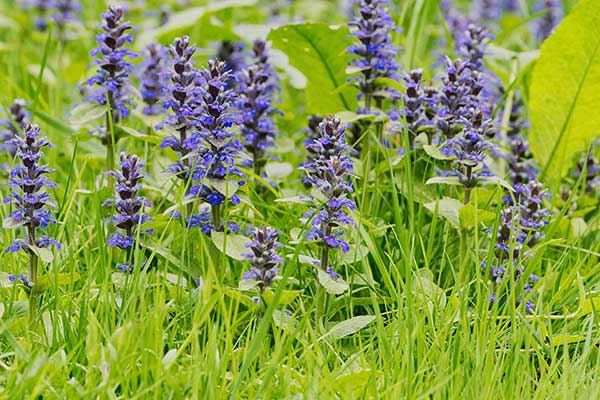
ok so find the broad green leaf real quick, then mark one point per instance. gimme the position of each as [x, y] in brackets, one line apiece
[350, 326]
[140, 135]
[277, 170]
[331, 286]
[470, 215]
[284, 321]
[447, 208]
[318, 51]
[232, 245]
[565, 91]
[287, 296]
[189, 21]
[434, 152]
[11, 223]
[85, 113]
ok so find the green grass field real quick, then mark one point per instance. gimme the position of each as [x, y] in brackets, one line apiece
[411, 317]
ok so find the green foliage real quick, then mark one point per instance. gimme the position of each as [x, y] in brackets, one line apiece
[319, 52]
[565, 91]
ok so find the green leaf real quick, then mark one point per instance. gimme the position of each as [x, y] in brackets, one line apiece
[232, 245]
[139, 135]
[11, 223]
[447, 208]
[434, 152]
[350, 326]
[225, 187]
[43, 253]
[444, 180]
[565, 91]
[247, 284]
[331, 285]
[278, 170]
[469, 215]
[85, 113]
[318, 51]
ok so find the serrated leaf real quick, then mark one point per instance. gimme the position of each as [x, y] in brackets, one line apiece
[447, 208]
[331, 286]
[232, 245]
[350, 326]
[318, 51]
[565, 91]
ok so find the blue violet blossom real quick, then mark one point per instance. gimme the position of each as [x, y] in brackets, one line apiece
[263, 257]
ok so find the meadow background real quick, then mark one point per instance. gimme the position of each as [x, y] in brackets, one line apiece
[410, 316]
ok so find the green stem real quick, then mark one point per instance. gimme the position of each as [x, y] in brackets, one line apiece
[33, 272]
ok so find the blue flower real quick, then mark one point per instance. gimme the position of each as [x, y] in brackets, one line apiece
[256, 89]
[29, 182]
[153, 78]
[374, 50]
[329, 171]
[263, 256]
[111, 84]
[65, 13]
[551, 15]
[128, 205]
[13, 126]
[181, 97]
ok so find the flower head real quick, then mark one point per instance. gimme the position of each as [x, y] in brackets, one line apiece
[181, 97]
[128, 205]
[232, 54]
[13, 126]
[263, 256]
[329, 172]
[111, 84]
[487, 10]
[470, 149]
[66, 12]
[551, 14]
[375, 54]
[215, 147]
[257, 87]
[153, 78]
[29, 184]
[459, 94]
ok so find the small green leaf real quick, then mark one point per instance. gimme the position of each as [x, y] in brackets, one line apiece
[494, 180]
[350, 326]
[447, 208]
[139, 135]
[470, 214]
[85, 113]
[435, 152]
[348, 117]
[43, 253]
[247, 284]
[287, 296]
[278, 170]
[444, 180]
[232, 245]
[331, 286]
[284, 321]
[225, 187]
[11, 223]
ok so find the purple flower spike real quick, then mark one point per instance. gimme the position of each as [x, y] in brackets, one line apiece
[257, 87]
[461, 90]
[263, 257]
[552, 13]
[215, 148]
[13, 126]
[521, 226]
[66, 12]
[487, 10]
[111, 84]
[129, 206]
[181, 98]
[469, 150]
[375, 52]
[330, 172]
[233, 55]
[29, 198]
[153, 78]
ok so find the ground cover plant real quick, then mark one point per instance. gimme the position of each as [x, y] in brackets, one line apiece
[300, 199]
